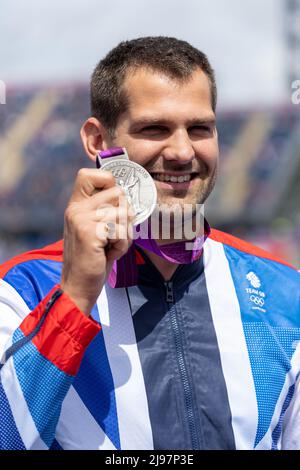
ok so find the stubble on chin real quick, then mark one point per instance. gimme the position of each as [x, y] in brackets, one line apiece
[177, 211]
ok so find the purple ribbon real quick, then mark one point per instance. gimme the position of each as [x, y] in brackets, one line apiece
[112, 152]
[124, 272]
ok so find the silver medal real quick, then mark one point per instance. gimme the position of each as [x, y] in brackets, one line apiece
[137, 183]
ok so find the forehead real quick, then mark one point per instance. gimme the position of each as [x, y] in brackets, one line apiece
[153, 92]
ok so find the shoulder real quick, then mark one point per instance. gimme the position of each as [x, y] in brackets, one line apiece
[33, 274]
[243, 247]
[267, 288]
[244, 258]
[51, 252]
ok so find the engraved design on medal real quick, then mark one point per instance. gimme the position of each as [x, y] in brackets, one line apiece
[138, 185]
[132, 190]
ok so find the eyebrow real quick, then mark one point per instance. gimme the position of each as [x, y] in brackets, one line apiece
[148, 121]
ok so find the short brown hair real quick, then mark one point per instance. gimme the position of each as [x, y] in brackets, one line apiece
[173, 57]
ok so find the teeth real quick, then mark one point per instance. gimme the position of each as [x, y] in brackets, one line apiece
[173, 179]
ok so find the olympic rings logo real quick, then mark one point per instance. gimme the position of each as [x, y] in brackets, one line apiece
[257, 300]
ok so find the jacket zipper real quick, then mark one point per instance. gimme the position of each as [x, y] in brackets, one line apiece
[182, 366]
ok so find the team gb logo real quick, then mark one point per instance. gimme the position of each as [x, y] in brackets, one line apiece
[253, 279]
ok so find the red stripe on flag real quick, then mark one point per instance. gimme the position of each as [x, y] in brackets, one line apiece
[246, 247]
[52, 252]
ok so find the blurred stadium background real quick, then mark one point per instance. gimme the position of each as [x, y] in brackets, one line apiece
[256, 198]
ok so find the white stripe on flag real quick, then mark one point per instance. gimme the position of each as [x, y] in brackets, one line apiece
[122, 351]
[12, 311]
[236, 366]
[266, 442]
[77, 429]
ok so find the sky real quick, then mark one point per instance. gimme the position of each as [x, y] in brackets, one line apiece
[61, 41]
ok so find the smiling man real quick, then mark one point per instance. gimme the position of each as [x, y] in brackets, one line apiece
[168, 127]
[114, 343]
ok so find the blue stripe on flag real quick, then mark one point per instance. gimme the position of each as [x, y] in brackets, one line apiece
[278, 429]
[56, 445]
[10, 438]
[94, 384]
[34, 279]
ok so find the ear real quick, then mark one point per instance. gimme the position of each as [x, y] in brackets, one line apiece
[94, 137]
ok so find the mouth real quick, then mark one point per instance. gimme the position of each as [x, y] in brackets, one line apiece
[174, 180]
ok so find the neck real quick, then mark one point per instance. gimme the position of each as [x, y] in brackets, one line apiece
[165, 267]
[176, 235]
[167, 251]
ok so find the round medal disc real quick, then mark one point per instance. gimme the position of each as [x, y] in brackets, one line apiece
[138, 185]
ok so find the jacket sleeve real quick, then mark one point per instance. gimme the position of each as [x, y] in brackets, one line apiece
[40, 352]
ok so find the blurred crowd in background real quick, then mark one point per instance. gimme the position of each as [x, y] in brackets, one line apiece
[254, 48]
[257, 196]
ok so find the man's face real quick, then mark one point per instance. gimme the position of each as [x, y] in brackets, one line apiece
[169, 129]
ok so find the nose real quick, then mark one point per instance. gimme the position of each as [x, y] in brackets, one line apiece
[179, 147]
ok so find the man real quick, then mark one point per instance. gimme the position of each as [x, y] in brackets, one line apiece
[197, 349]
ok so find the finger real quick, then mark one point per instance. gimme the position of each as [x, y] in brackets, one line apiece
[111, 232]
[89, 180]
[119, 214]
[112, 197]
[116, 249]
[104, 230]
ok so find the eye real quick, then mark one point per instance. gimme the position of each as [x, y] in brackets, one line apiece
[153, 130]
[200, 129]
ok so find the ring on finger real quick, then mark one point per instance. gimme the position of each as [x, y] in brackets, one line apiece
[110, 229]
